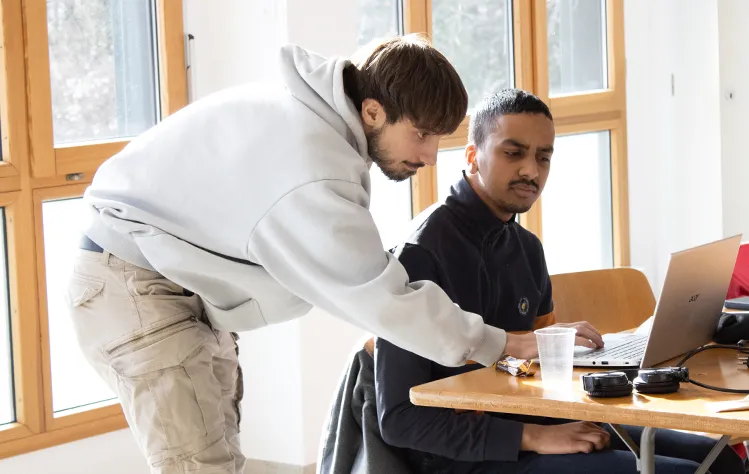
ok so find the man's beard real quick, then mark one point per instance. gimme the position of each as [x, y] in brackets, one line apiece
[513, 208]
[383, 161]
[518, 208]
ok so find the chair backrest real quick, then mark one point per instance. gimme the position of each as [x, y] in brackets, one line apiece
[611, 300]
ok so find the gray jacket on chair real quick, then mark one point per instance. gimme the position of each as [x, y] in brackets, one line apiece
[351, 442]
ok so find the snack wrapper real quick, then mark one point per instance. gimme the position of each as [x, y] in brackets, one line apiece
[515, 367]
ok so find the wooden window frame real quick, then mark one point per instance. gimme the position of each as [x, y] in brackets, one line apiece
[577, 113]
[35, 171]
[47, 160]
[85, 414]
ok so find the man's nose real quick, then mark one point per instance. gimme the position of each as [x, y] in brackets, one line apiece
[529, 170]
[429, 158]
[430, 151]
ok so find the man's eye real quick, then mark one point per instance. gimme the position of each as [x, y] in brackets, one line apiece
[512, 153]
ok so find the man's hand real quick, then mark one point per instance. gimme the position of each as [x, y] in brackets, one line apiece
[522, 346]
[587, 335]
[569, 438]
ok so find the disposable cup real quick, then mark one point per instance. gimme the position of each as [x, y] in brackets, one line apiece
[556, 347]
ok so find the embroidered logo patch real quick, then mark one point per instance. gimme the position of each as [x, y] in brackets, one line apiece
[523, 306]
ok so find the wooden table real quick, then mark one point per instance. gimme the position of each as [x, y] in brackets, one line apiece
[488, 390]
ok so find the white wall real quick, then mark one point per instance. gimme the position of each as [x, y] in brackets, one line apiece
[695, 164]
[648, 119]
[733, 21]
[674, 140]
[688, 163]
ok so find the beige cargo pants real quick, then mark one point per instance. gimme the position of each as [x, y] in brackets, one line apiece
[178, 380]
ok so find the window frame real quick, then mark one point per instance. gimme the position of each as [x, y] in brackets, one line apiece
[575, 113]
[34, 171]
[88, 413]
[48, 160]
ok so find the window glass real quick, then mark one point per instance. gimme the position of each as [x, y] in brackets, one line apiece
[102, 60]
[576, 204]
[74, 382]
[577, 46]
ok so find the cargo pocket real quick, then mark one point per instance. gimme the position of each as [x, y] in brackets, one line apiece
[82, 289]
[176, 411]
[151, 335]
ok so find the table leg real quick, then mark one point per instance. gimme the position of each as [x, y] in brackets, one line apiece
[713, 454]
[645, 453]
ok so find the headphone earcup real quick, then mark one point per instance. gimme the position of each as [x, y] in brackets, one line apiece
[619, 392]
[655, 387]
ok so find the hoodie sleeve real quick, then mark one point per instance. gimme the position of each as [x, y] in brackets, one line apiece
[321, 243]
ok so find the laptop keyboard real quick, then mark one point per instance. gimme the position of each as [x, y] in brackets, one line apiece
[631, 349]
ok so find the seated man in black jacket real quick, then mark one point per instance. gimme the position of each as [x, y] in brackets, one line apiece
[473, 248]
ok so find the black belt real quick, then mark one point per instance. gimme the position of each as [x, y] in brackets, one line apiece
[90, 245]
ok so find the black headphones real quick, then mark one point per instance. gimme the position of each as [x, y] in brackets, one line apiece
[621, 383]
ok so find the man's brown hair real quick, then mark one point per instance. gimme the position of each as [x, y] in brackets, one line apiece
[411, 80]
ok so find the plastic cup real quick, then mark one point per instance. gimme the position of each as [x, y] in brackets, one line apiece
[556, 347]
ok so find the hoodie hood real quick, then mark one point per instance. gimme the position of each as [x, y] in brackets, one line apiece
[318, 83]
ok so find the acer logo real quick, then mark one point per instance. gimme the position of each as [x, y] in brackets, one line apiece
[693, 298]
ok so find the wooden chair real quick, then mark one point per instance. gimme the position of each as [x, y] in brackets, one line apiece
[611, 300]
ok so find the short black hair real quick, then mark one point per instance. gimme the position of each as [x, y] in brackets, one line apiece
[505, 102]
[410, 79]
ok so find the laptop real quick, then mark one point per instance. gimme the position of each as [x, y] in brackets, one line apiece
[686, 315]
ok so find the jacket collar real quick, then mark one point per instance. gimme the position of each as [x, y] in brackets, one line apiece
[473, 211]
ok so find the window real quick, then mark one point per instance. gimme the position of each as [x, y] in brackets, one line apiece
[578, 196]
[74, 383]
[377, 19]
[77, 80]
[102, 61]
[477, 39]
[585, 90]
[450, 166]
[570, 53]
[390, 206]
[577, 46]
[390, 202]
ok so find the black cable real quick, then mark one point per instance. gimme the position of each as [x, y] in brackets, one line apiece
[719, 389]
[741, 349]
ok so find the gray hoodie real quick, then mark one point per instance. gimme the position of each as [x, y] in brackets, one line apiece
[256, 198]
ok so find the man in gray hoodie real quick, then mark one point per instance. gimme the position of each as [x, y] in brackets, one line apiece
[168, 272]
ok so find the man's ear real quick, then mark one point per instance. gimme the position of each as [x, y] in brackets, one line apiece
[471, 159]
[372, 113]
